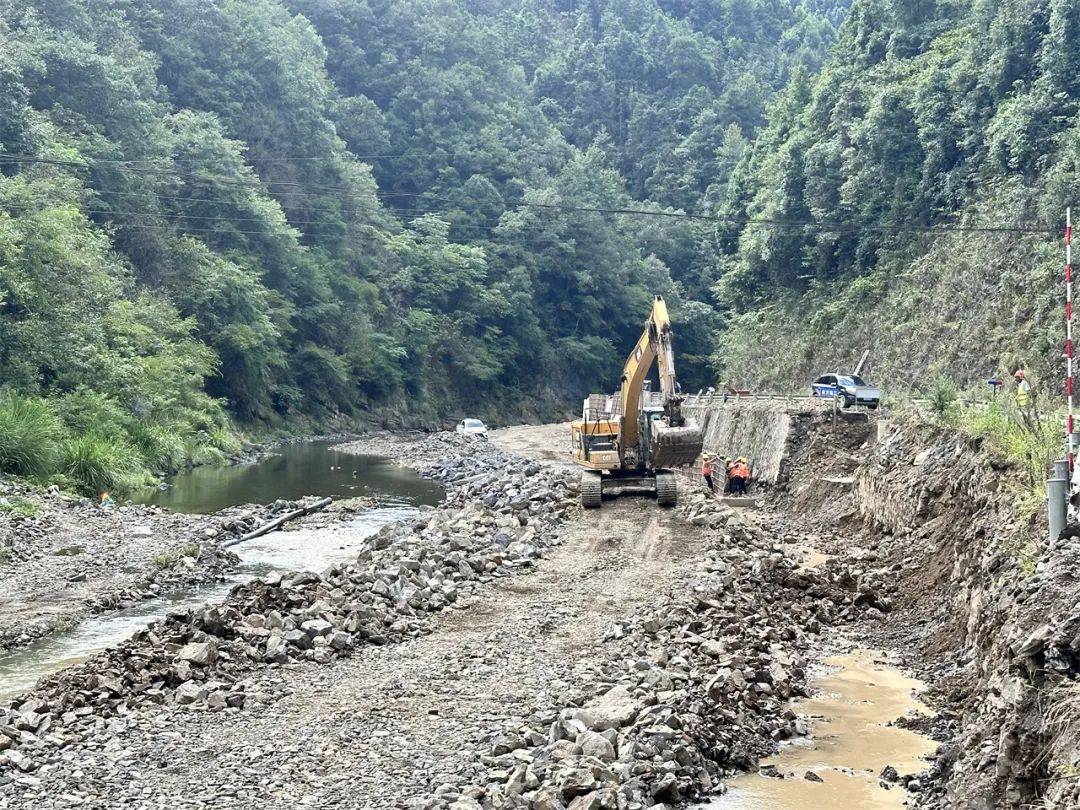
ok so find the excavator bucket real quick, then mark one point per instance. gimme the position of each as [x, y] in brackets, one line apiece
[675, 446]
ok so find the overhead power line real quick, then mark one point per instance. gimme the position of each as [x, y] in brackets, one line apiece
[245, 203]
[305, 158]
[833, 227]
[544, 238]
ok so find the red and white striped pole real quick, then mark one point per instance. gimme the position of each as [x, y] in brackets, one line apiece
[1069, 338]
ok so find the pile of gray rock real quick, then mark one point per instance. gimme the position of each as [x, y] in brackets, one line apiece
[702, 508]
[499, 516]
[93, 560]
[690, 694]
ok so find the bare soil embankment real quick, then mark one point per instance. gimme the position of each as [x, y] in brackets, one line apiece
[923, 524]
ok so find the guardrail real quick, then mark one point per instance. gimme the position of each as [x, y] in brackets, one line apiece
[701, 397]
[704, 398]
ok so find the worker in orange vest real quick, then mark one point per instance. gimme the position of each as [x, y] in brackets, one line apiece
[707, 471]
[739, 476]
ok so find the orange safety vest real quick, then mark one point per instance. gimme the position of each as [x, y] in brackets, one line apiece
[740, 470]
[706, 468]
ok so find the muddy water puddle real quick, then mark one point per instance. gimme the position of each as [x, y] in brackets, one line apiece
[851, 743]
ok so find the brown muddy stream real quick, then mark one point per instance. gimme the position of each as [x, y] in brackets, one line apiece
[851, 743]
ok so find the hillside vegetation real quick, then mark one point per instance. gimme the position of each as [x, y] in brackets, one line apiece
[264, 212]
[927, 113]
[250, 211]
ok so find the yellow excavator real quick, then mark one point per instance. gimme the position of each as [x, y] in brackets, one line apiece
[627, 441]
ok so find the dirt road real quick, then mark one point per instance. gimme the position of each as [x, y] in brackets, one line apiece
[549, 443]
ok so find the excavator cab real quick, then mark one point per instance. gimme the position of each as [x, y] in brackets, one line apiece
[627, 441]
[594, 444]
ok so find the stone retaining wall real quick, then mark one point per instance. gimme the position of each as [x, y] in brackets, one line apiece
[755, 429]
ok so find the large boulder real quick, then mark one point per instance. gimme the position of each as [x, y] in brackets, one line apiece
[199, 653]
[613, 709]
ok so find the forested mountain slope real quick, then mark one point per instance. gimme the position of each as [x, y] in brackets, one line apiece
[961, 112]
[256, 209]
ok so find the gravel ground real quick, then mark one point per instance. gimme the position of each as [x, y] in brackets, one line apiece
[396, 721]
[549, 443]
[70, 557]
[505, 650]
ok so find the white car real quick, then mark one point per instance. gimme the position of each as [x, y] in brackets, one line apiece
[473, 426]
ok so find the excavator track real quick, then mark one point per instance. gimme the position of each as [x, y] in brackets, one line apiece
[592, 489]
[667, 488]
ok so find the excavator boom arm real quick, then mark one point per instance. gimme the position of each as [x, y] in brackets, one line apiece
[635, 370]
[654, 344]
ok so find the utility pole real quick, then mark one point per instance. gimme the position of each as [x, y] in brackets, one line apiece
[1070, 425]
[1061, 485]
[862, 360]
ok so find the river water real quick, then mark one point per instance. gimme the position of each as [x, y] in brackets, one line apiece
[310, 468]
[851, 741]
[290, 472]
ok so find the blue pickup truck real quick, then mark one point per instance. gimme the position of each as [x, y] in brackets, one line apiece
[849, 389]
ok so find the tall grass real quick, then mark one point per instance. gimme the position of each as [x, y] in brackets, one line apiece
[30, 435]
[88, 442]
[162, 449]
[98, 464]
[1031, 446]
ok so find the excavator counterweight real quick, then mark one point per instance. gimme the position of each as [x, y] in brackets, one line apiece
[627, 441]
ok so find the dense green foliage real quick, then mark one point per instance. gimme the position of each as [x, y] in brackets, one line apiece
[29, 436]
[960, 112]
[259, 209]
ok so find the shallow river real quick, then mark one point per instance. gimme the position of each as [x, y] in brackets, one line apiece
[292, 471]
[312, 468]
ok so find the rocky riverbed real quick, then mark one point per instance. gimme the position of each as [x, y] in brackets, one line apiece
[63, 557]
[508, 650]
[496, 521]
[497, 651]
